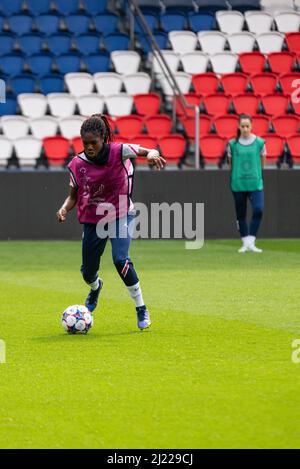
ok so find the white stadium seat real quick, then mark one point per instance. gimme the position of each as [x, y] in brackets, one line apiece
[258, 21]
[6, 150]
[275, 5]
[241, 42]
[183, 80]
[230, 21]
[79, 83]
[270, 42]
[70, 126]
[61, 104]
[125, 61]
[195, 62]
[119, 104]
[90, 104]
[183, 41]
[108, 83]
[224, 62]
[137, 83]
[28, 150]
[287, 21]
[171, 57]
[212, 42]
[32, 104]
[43, 127]
[14, 126]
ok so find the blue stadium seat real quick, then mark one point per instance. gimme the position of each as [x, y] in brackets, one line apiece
[40, 64]
[152, 22]
[173, 21]
[245, 5]
[201, 21]
[36, 7]
[59, 43]
[93, 7]
[179, 5]
[7, 41]
[48, 23]
[88, 43]
[66, 7]
[23, 84]
[161, 39]
[12, 64]
[9, 107]
[51, 84]
[2, 18]
[150, 6]
[212, 5]
[106, 23]
[20, 24]
[31, 43]
[78, 23]
[118, 41]
[68, 63]
[11, 7]
[97, 62]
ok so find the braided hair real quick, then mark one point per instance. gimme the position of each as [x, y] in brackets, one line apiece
[242, 116]
[98, 124]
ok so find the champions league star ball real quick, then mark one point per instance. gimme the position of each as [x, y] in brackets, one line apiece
[77, 318]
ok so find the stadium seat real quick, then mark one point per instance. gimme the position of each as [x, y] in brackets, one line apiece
[90, 104]
[56, 150]
[293, 42]
[76, 144]
[147, 104]
[43, 127]
[48, 23]
[192, 99]
[230, 21]
[258, 21]
[234, 83]
[88, 43]
[179, 5]
[252, 62]
[108, 83]
[6, 150]
[216, 104]
[205, 83]
[246, 104]
[293, 143]
[79, 83]
[189, 126]
[263, 83]
[121, 139]
[275, 104]
[31, 43]
[274, 147]
[160, 38]
[287, 21]
[281, 62]
[61, 104]
[295, 99]
[14, 126]
[159, 125]
[275, 5]
[183, 42]
[171, 57]
[106, 23]
[244, 5]
[241, 42]
[11, 7]
[28, 150]
[173, 22]
[65, 8]
[150, 6]
[260, 124]
[51, 84]
[93, 7]
[212, 42]
[68, 63]
[20, 23]
[7, 42]
[129, 126]
[9, 107]
[226, 126]
[125, 61]
[286, 81]
[211, 5]
[23, 84]
[224, 62]
[137, 83]
[32, 104]
[212, 148]
[270, 42]
[59, 43]
[172, 147]
[194, 62]
[286, 125]
[201, 21]
[183, 81]
[151, 20]
[116, 41]
[97, 62]
[37, 7]
[12, 64]
[78, 23]
[40, 64]
[70, 126]
[119, 104]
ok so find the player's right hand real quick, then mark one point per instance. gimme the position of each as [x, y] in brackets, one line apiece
[61, 215]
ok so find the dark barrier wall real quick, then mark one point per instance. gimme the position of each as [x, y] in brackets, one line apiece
[29, 201]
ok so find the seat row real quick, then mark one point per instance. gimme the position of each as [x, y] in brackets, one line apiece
[44, 6]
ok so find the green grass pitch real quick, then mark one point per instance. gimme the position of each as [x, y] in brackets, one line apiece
[215, 371]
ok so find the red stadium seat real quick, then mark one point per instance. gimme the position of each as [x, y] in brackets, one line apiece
[121, 138]
[260, 124]
[286, 125]
[294, 146]
[274, 147]
[226, 126]
[129, 125]
[293, 42]
[263, 83]
[252, 62]
[172, 147]
[144, 141]
[295, 99]
[56, 150]
[191, 98]
[287, 80]
[111, 122]
[212, 148]
[216, 104]
[189, 126]
[205, 83]
[147, 104]
[275, 104]
[281, 62]
[246, 103]
[77, 145]
[159, 125]
[234, 83]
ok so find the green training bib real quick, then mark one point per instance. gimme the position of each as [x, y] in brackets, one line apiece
[246, 169]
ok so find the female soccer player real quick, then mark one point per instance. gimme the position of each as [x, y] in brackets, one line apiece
[100, 185]
[246, 155]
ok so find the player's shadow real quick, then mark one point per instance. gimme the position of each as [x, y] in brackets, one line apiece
[63, 337]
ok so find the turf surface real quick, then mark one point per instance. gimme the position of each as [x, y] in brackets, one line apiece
[215, 370]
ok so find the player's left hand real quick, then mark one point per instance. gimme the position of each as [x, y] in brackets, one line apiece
[156, 160]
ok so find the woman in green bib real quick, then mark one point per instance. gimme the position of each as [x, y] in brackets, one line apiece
[246, 155]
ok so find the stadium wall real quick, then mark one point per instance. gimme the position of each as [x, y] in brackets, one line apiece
[30, 200]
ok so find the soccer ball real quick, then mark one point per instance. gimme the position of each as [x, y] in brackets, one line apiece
[77, 318]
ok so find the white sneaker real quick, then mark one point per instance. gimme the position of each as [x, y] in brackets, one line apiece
[253, 248]
[243, 249]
